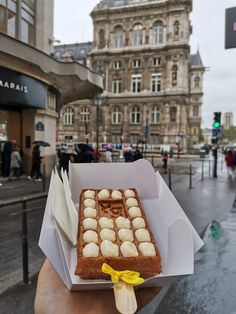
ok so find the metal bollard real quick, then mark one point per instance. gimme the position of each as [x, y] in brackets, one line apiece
[25, 243]
[169, 176]
[202, 170]
[44, 178]
[190, 176]
[209, 167]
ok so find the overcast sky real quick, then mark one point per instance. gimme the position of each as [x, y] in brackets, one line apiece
[72, 23]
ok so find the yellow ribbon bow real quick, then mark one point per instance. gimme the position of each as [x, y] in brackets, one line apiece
[128, 276]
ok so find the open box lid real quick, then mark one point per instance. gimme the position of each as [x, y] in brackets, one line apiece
[175, 236]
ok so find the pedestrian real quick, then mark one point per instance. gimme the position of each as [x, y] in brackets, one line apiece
[165, 162]
[96, 155]
[15, 163]
[6, 157]
[230, 163]
[36, 164]
[137, 154]
[108, 155]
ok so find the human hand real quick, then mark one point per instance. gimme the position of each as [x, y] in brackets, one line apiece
[52, 296]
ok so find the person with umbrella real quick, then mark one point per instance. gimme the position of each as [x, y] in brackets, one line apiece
[36, 163]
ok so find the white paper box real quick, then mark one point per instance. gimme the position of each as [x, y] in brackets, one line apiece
[175, 236]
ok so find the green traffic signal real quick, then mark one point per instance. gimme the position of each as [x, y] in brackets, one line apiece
[216, 124]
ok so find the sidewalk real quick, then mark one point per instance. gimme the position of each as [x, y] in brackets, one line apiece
[211, 288]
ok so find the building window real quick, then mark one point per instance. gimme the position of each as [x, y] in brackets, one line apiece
[117, 86]
[11, 24]
[118, 40]
[154, 139]
[136, 63]
[3, 23]
[136, 83]
[135, 116]
[155, 115]
[197, 81]
[84, 115]
[116, 116]
[69, 116]
[119, 2]
[176, 28]
[174, 74]
[115, 138]
[158, 31]
[137, 35]
[173, 111]
[156, 82]
[51, 100]
[195, 111]
[134, 138]
[117, 64]
[195, 132]
[27, 35]
[156, 61]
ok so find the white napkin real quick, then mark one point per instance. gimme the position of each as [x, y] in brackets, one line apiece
[63, 210]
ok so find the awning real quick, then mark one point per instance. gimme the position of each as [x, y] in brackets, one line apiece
[73, 80]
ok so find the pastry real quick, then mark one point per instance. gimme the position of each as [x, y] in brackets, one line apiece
[119, 235]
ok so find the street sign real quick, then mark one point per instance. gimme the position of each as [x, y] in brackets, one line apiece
[216, 133]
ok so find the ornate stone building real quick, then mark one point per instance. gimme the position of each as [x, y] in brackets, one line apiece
[152, 85]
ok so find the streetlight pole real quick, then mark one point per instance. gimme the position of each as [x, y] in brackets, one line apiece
[97, 103]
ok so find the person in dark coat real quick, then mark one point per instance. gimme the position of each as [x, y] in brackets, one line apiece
[6, 158]
[36, 163]
[137, 155]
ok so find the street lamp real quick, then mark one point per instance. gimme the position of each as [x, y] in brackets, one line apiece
[97, 100]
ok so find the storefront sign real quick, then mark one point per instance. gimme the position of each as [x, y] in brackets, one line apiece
[18, 89]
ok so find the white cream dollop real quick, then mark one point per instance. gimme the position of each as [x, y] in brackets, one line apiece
[135, 212]
[109, 249]
[126, 235]
[131, 202]
[107, 234]
[89, 194]
[89, 203]
[91, 250]
[128, 249]
[90, 236]
[90, 212]
[138, 223]
[103, 194]
[122, 223]
[147, 249]
[116, 195]
[142, 235]
[90, 223]
[107, 223]
[129, 193]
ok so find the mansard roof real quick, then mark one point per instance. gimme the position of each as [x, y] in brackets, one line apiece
[195, 59]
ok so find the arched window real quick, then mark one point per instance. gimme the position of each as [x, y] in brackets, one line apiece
[135, 117]
[197, 81]
[68, 117]
[118, 40]
[116, 116]
[173, 111]
[84, 115]
[137, 34]
[176, 28]
[155, 115]
[174, 74]
[158, 31]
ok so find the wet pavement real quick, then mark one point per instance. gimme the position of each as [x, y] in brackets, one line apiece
[211, 289]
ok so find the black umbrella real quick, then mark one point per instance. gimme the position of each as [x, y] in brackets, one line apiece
[84, 147]
[41, 143]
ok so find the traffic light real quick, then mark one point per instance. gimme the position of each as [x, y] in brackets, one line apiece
[217, 120]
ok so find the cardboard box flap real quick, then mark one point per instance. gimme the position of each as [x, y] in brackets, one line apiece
[139, 174]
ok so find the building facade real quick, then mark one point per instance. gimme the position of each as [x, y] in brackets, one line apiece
[152, 85]
[228, 119]
[33, 85]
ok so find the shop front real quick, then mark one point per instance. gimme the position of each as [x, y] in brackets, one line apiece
[33, 86]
